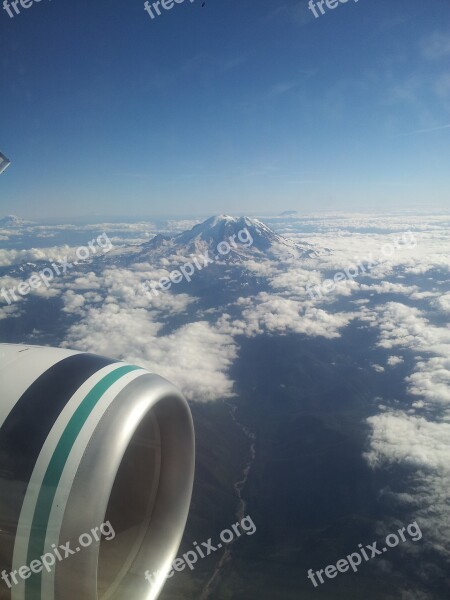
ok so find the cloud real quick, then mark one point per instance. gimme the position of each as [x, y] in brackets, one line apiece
[417, 437]
[406, 327]
[9, 258]
[275, 314]
[423, 446]
[196, 357]
[117, 318]
[73, 302]
[123, 286]
[431, 382]
[431, 129]
[7, 312]
[443, 303]
[393, 361]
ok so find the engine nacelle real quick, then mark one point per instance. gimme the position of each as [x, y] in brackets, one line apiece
[96, 475]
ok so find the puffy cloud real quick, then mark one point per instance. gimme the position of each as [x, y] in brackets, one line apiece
[10, 294]
[8, 284]
[418, 437]
[125, 286]
[295, 279]
[196, 357]
[406, 327]
[431, 381]
[17, 257]
[388, 287]
[276, 314]
[86, 281]
[400, 326]
[410, 439]
[393, 361]
[443, 303]
[423, 445]
[73, 302]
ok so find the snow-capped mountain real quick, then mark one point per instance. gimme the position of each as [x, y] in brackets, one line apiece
[13, 221]
[251, 238]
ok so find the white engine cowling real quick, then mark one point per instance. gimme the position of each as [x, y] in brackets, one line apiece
[96, 458]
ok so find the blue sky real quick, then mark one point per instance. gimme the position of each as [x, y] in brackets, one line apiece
[251, 106]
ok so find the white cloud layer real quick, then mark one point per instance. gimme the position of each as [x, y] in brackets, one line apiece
[196, 357]
[401, 439]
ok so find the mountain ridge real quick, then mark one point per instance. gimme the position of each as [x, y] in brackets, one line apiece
[251, 237]
[13, 221]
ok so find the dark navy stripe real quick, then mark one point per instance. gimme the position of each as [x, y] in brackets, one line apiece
[26, 428]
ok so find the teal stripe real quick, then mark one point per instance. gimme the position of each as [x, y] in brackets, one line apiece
[36, 546]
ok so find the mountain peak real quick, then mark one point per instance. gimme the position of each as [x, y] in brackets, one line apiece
[206, 237]
[12, 221]
[228, 220]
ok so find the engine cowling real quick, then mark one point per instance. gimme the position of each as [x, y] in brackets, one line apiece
[96, 457]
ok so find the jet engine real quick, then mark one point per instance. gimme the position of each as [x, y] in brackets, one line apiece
[96, 476]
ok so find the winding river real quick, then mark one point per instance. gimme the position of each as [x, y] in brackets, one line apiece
[213, 583]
